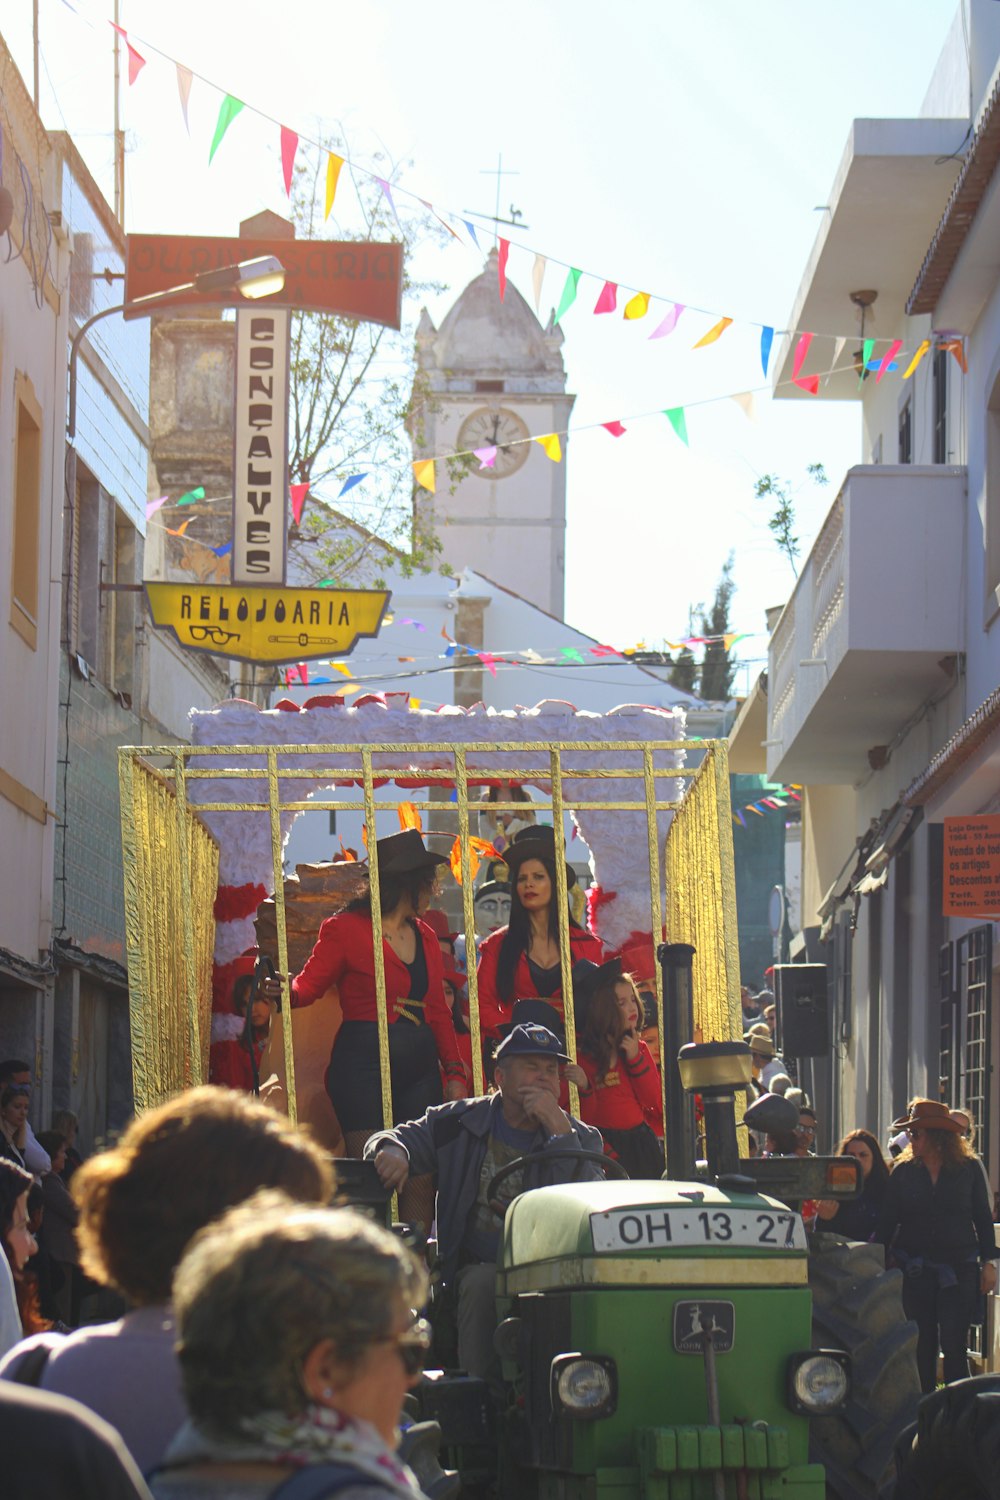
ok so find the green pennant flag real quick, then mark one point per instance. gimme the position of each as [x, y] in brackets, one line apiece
[192, 496]
[866, 355]
[228, 111]
[675, 416]
[568, 293]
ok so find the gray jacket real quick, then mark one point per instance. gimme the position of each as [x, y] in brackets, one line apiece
[451, 1140]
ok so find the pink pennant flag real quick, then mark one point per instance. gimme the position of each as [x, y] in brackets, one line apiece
[152, 506]
[888, 357]
[387, 194]
[615, 428]
[604, 651]
[669, 323]
[608, 300]
[184, 77]
[487, 456]
[298, 493]
[488, 660]
[136, 62]
[713, 334]
[502, 266]
[808, 383]
[289, 146]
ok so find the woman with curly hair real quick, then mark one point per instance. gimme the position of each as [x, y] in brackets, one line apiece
[936, 1224]
[523, 960]
[618, 1080]
[19, 1243]
[174, 1170]
[856, 1219]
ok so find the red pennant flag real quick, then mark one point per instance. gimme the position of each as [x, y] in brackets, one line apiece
[808, 383]
[888, 357]
[136, 62]
[502, 266]
[298, 493]
[289, 146]
[608, 300]
[615, 428]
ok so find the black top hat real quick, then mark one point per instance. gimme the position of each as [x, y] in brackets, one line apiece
[537, 841]
[538, 1013]
[529, 1040]
[405, 853]
[587, 979]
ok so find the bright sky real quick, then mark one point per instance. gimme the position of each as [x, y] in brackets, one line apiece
[677, 146]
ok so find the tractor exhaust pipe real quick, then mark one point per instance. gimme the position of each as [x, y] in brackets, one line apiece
[715, 1070]
[675, 961]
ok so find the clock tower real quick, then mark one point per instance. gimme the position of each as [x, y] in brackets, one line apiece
[492, 377]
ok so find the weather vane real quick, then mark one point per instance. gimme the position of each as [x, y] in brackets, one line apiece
[516, 220]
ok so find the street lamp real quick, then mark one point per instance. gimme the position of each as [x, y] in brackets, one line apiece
[251, 279]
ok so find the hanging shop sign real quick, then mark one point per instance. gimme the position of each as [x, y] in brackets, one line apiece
[970, 879]
[266, 625]
[353, 279]
[260, 445]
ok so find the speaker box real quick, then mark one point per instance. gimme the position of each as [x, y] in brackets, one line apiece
[800, 998]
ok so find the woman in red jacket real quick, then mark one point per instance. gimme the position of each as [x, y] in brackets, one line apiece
[421, 1033]
[620, 1092]
[522, 960]
[231, 1062]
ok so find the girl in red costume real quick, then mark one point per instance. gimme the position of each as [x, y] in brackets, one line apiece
[522, 960]
[620, 1091]
[421, 1034]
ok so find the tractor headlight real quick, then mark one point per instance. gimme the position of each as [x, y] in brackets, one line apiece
[818, 1382]
[584, 1386]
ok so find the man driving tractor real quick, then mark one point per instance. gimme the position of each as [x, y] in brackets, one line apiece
[467, 1143]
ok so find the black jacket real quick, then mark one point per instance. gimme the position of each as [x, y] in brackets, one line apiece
[949, 1221]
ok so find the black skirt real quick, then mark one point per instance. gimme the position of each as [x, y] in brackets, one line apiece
[354, 1081]
[639, 1150]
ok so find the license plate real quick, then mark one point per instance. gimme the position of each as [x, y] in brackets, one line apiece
[660, 1228]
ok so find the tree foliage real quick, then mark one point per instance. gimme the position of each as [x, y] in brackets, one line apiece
[351, 387]
[718, 668]
[684, 672]
[782, 521]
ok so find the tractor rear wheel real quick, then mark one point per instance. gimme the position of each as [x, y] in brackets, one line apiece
[857, 1307]
[952, 1451]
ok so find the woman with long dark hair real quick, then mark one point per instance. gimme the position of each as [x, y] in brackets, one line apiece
[619, 1083]
[422, 1043]
[856, 1219]
[524, 959]
[937, 1226]
[19, 1243]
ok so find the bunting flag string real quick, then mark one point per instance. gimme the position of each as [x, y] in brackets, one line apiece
[775, 800]
[638, 302]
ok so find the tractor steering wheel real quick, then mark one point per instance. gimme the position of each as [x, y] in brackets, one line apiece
[611, 1167]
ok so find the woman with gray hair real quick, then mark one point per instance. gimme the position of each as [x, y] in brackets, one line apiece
[297, 1340]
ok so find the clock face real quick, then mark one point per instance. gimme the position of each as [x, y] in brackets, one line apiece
[500, 429]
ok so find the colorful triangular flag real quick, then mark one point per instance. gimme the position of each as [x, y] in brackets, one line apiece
[228, 110]
[502, 266]
[914, 362]
[669, 322]
[136, 61]
[713, 333]
[675, 416]
[184, 77]
[289, 146]
[423, 472]
[615, 428]
[568, 292]
[552, 446]
[298, 493]
[333, 166]
[537, 277]
[766, 340]
[637, 306]
[608, 300]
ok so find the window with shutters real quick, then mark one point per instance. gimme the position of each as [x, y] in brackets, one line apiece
[964, 973]
[105, 555]
[24, 579]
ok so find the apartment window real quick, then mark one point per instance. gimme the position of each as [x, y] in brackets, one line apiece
[906, 431]
[106, 550]
[964, 971]
[939, 381]
[27, 511]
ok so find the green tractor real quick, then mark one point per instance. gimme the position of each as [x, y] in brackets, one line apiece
[685, 1339]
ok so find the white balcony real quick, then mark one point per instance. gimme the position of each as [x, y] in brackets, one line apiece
[876, 610]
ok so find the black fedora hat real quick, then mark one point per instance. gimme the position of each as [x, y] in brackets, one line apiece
[405, 853]
[535, 1012]
[537, 841]
[588, 978]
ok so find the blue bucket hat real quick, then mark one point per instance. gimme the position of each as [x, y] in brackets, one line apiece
[531, 1040]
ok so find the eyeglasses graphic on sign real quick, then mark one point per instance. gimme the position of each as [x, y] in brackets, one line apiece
[213, 633]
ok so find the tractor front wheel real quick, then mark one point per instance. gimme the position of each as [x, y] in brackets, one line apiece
[952, 1451]
[858, 1307]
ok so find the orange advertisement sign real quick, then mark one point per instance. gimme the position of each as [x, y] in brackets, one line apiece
[970, 878]
[353, 278]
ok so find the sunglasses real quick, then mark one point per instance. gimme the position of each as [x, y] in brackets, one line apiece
[412, 1345]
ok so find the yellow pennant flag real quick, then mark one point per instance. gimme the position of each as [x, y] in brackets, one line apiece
[333, 166]
[552, 446]
[637, 306]
[409, 816]
[415, 702]
[916, 359]
[339, 666]
[713, 333]
[423, 471]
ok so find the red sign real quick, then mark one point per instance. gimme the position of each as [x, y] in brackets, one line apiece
[971, 876]
[352, 278]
